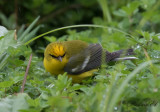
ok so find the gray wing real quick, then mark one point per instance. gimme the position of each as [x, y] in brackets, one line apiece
[88, 59]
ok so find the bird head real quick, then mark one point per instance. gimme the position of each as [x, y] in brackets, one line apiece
[55, 51]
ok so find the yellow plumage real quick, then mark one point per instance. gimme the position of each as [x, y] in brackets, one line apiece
[78, 58]
[71, 48]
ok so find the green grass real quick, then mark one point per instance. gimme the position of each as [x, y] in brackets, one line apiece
[127, 81]
[127, 86]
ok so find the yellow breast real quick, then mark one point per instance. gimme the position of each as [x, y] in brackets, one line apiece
[54, 66]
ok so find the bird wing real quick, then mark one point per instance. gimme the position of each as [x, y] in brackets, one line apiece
[86, 60]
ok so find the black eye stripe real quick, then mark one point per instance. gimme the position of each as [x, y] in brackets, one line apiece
[63, 55]
[56, 56]
[53, 56]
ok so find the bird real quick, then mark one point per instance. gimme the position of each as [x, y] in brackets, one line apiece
[79, 59]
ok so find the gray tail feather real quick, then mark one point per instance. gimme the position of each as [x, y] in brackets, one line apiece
[125, 58]
[120, 55]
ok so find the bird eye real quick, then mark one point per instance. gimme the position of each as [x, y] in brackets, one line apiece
[53, 56]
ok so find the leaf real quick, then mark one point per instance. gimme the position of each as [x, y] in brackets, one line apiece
[120, 13]
[130, 8]
[75, 87]
[6, 84]
[59, 103]
[50, 38]
[63, 82]
[14, 103]
[7, 41]
[3, 31]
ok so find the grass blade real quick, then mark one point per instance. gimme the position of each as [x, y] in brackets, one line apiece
[3, 59]
[29, 28]
[31, 34]
[83, 25]
[124, 84]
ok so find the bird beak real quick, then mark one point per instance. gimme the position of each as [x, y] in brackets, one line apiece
[60, 58]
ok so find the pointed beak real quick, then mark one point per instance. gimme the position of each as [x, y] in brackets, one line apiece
[60, 58]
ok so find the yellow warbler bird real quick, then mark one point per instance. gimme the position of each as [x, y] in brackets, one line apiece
[78, 58]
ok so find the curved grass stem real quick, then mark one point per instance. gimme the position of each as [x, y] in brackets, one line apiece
[83, 25]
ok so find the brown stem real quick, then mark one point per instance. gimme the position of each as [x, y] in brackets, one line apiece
[26, 73]
[15, 35]
[16, 11]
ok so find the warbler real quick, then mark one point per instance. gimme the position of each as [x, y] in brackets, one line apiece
[79, 59]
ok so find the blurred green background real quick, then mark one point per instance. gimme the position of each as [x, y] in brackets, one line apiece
[128, 15]
[128, 86]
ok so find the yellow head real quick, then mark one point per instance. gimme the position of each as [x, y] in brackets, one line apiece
[55, 58]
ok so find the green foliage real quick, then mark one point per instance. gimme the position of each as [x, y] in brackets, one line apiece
[127, 86]
[14, 103]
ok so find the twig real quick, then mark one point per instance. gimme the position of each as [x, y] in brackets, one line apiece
[15, 35]
[147, 56]
[26, 73]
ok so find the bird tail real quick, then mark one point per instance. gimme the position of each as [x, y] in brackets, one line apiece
[120, 55]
